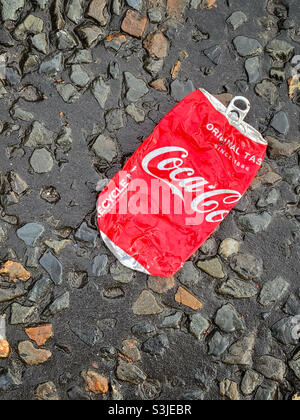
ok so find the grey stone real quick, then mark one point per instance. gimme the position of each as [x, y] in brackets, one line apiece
[65, 40]
[143, 328]
[101, 91]
[189, 275]
[60, 304]
[20, 114]
[270, 198]
[156, 345]
[135, 88]
[172, 321]
[22, 314]
[266, 392]
[88, 334]
[254, 222]
[31, 94]
[114, 119]
[280, 50]
[153, 66]
[214, 54]
[136, 113]
[273, 291]
[87, 235]
[294, 364]
[229, 320]
[40, 42]
[10, 9]
[147, 304]
[39, 135]
[154, 15]
[41, 289]
[210, 247]
[3, 234]
[99, 266]
[292, 175]
[42, 3]
[247, 266]
[89, 34]
[267, 90]
[41, 161]
[7, 295]
[278, 74]
[52, 64]
[31, 24]
[8, 380]
[247, 46]
[240, 353]
[284, 331]
[217, 345]
[81, 57]
[78, 279]
[18, 185]
[281, 123]
[105, 147]
[75, 10]
[53, 267]
[114, 69]
[68, 92]
[135, 4]
[198, 325]
[113, 293]
[79, 76]
[252, 66]
[12, 76]
[32, 257]
[238, 289]
[212, 267]
[64, 138]
[271, 368]
[251, 381]
[121, 273]
[195, 4]
[30, 233]
[117, 6]
[179, 89]
[237, 19]
[129, 372]
[292, 306]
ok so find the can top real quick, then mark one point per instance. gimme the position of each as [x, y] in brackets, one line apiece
[236, 116]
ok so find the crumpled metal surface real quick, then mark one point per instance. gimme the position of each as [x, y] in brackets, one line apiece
[203, 162]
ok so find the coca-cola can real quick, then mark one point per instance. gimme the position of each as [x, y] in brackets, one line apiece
[180, 184]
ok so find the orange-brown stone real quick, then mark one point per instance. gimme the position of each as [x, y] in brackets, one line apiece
[14, 271]
[186, 298]
[208, 4]
[31, 355]
[159, 84]
[134, 24]
[95, 383]
[161, 284]
[157, 45]
[175, 8]
[40, 334]
[4, 349]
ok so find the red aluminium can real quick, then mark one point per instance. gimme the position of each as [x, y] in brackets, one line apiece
[180, 184]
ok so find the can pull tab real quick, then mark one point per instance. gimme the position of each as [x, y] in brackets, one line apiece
[234, 112]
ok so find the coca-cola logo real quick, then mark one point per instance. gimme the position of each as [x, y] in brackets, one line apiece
[181, 178]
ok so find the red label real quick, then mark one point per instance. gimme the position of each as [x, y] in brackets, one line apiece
[178, 186]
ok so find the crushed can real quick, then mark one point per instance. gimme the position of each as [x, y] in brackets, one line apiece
[180, 184]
